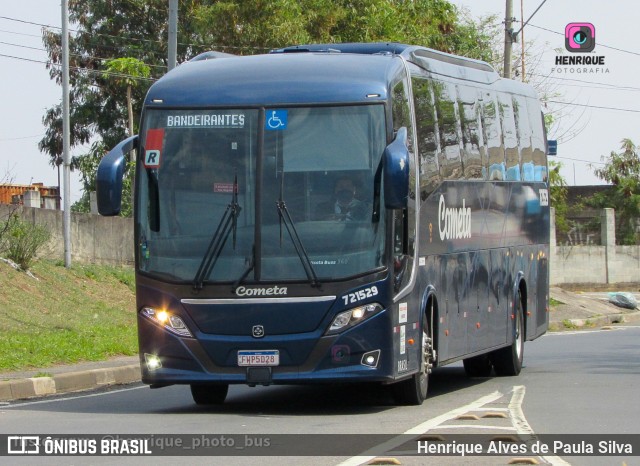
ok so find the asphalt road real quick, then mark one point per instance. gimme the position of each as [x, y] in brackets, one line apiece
[578, 383]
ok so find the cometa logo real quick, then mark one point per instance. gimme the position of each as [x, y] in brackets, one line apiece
[273, 291]
[454, 223]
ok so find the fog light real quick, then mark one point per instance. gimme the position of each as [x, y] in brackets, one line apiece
[371, 358]
[153, 361]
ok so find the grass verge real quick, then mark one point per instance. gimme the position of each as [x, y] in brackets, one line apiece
[85, 313]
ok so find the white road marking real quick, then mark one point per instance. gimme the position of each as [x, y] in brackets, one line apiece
[474, 426]
[54, 400]
[422, 428]
[521, 424]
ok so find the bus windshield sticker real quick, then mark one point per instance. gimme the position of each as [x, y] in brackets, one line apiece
[207, 120]
[402, 317]
[226, 188]
[276, 120]
[153, 148]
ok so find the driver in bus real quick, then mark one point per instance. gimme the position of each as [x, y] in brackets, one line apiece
[345, 206]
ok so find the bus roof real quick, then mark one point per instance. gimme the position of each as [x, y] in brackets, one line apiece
[277, 79]
[314, 73]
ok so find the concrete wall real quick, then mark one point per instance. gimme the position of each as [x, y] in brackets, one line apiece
[594, 265]
[109, 240]
[94, 239]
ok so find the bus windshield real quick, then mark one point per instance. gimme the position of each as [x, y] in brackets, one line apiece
[254, 195]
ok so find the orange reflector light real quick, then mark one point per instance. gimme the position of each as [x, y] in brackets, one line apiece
[411, 341]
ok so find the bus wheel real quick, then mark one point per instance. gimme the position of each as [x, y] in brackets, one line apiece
[413, 391]
[508, 361]
[478, 366]
[209, 394]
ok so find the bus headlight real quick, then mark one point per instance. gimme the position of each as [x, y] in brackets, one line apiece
[354, 316]
[171, 322]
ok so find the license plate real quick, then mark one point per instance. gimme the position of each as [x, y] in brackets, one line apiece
[259, 358]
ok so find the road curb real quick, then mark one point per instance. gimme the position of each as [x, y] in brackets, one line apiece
[19, 389]
[600, 321]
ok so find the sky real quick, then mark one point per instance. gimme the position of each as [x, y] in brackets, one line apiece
[601, 107]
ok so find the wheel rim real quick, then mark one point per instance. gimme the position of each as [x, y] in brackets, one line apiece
[426, 356]
[518, 339]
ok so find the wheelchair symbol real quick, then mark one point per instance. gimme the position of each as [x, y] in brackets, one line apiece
[277, 120]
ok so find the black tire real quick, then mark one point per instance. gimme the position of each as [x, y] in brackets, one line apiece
[478, 366]
[413, 391]
[508, 361]
[209, 394]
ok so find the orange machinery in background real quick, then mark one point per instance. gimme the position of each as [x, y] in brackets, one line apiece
[14, 194]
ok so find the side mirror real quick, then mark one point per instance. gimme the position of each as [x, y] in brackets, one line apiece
[109, 177]
[396, 172]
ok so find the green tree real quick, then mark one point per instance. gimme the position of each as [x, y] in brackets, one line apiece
[127, 71]
[622, 170]
[558, 193]
[99, 105]
[250, 27]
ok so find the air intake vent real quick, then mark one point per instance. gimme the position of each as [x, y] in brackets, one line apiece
[452, 59]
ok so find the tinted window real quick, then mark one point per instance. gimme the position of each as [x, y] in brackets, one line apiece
[449, 158]
[472, 141]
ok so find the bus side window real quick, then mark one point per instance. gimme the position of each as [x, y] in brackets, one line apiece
[512, 155]
[492, 135]
[428, 137]
[400, 108]
[472, 141]
[449, 157]
[523, 128]
[539, 154]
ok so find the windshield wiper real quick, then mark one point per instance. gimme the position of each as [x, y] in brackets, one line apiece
[285, 217]
[245, 274]
[228, 223]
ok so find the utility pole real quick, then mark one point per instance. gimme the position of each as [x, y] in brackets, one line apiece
[522, 37]
[66, 219]
[173, 34]
[508, 38]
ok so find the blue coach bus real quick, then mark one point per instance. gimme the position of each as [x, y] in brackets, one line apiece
[335, 213]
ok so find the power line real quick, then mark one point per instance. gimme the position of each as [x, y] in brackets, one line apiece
[595, 106]
[614, 86]
[600, 44]
[551, 157]
[590, 84]
[202, 46]
[21, 137]
[78, 68]
[21, 33]
[74, 54]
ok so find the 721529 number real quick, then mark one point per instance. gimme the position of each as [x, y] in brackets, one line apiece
[360, 295]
